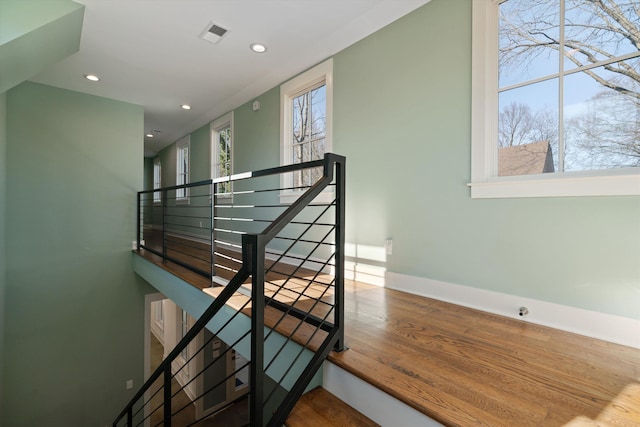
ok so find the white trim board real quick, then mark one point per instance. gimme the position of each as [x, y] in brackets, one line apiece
[381, 407]
[603, 326]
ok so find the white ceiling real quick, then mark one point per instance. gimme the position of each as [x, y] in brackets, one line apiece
[148, 52]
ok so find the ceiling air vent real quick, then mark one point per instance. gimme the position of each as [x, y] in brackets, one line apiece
[213, 33]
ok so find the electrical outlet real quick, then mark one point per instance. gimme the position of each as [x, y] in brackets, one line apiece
[129, 384]
[388, 246]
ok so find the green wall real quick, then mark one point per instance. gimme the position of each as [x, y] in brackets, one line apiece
[3, 204]
[257, 134]
[34, 35]
[199, 157]
[200, 154]
[19, 17]
[187, 220]
[402, 117]
[254, 136]
[74, 307]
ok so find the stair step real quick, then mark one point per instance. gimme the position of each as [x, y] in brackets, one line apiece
[319, 408]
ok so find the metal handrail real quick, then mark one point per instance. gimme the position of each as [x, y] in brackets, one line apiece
[253, 259]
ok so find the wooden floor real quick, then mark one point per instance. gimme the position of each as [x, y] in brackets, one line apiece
[319, 408]
[464, 367]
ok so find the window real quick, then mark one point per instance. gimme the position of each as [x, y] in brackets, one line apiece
[183, 328]
[222, 149]
[158, 310]
[306, 125]
[157, 181]
[556, 98]
[182, 169]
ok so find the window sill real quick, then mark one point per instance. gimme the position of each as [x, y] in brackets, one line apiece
[569, 185]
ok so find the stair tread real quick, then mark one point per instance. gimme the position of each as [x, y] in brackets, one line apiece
[320, 408]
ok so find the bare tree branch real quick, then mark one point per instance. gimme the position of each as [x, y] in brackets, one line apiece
[595, 31]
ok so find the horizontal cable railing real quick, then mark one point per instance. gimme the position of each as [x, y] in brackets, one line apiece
[175, 223]
[273, 247]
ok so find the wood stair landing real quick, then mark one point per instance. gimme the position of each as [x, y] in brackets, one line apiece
[462, 367]
[319, 408]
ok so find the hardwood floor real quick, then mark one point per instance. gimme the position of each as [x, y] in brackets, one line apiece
[464, 367]
[319, 408]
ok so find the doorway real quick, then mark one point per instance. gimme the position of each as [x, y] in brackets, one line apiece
[165, 323]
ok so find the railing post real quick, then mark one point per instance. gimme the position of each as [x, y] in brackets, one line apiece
[255, 251]
[167, 395]
[130, 417]
[340, 176]
[164, 225]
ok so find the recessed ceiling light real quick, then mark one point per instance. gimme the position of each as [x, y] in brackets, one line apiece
[92, 77]
[185, 107]
[258, 48]
[149, 135]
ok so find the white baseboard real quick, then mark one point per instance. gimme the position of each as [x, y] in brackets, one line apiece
[607, 327]
[364, 273]
[603, 326]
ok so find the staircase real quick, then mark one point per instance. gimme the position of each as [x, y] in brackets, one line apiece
[281, 305]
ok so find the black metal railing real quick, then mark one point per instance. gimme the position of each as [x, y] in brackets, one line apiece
[175, 223]
[277, 279]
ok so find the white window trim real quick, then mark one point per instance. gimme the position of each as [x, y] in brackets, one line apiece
[184, 142]
[158, 314]
[321, 72]
[216, 126]
[485, 182]
[184, 322]
[157, 200]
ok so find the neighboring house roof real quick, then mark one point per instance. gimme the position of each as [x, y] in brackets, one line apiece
[525, 159]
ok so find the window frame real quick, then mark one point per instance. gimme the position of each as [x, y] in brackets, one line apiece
[216, 126]
[183, 325]
[180, 147]
[157, 180]
[485, 182]
[158, 307]
[288, 92]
